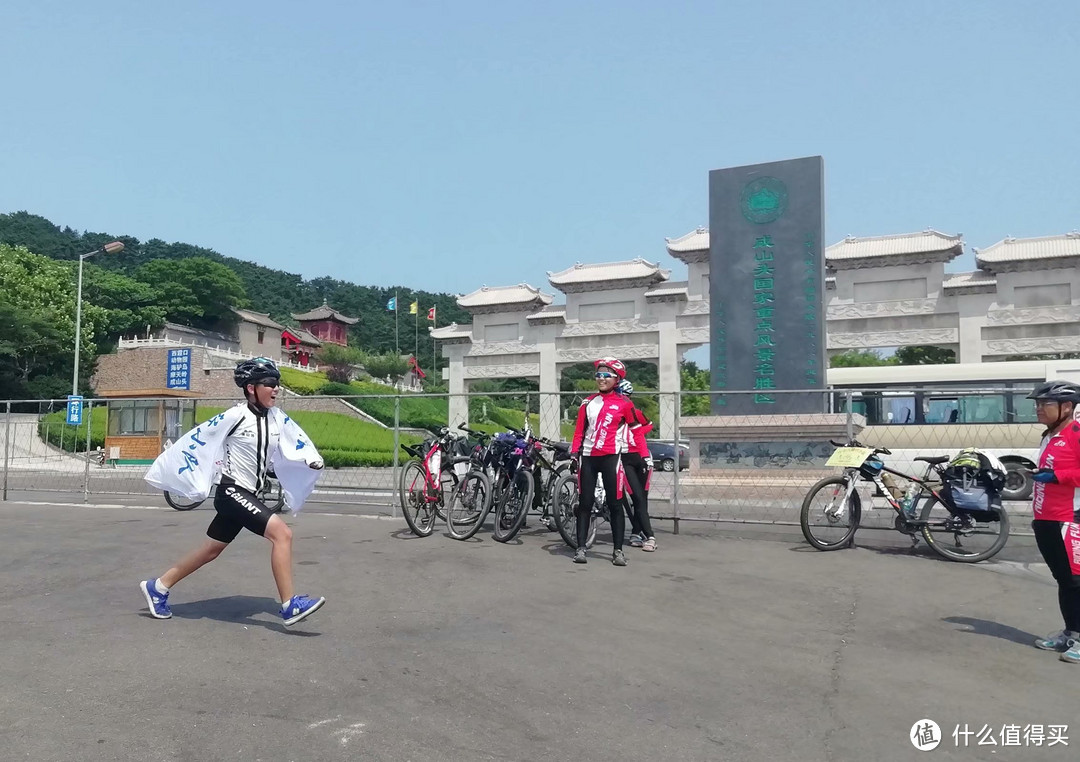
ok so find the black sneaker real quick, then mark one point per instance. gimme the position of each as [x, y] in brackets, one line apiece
[618, 558]
[579, 556]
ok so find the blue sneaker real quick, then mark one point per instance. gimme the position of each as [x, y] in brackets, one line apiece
[300, 607]
[159, 604]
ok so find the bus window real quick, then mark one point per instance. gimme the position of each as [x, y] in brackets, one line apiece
[900, 410]
[982, 408]
[1023, 409]
[943, 411]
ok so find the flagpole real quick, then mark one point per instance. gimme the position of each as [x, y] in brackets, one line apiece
[397, 342]
[434, 325]
[416, 338]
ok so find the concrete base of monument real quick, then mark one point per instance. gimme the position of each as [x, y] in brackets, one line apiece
[733, 450]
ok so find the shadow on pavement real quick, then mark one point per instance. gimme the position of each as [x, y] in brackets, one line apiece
[239, 609]
[993, 629]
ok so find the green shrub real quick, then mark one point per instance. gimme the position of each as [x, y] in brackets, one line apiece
[335, 389]
[53, 429]
[357, 458]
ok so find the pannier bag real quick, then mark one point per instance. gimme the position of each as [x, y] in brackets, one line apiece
[972, 485]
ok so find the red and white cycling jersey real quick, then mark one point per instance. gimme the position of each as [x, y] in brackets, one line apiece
[1061, 453]
[599, 420]
[633, 434]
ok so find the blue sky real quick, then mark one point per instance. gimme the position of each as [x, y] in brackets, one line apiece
[448, 145]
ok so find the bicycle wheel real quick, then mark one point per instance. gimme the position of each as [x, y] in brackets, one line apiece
[413, 493]
[564, 503]
[469, 505]
[272, 496]
[961, 537]
[181, 503]
[828, 519]
[513, 506]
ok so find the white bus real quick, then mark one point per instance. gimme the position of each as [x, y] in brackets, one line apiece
[940, 409]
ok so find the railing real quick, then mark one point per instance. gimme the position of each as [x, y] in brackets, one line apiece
[135, 343]
[747, 469]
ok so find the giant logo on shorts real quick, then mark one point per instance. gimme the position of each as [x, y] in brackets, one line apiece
[231, 492]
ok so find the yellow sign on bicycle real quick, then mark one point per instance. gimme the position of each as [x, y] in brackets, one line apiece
[849, 457]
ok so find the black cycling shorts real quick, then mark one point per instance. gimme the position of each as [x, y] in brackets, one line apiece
[236, 509]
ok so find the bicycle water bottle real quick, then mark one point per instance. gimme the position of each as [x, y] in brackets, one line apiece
[907, 503]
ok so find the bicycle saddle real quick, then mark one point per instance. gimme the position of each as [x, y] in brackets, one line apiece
[934, 459]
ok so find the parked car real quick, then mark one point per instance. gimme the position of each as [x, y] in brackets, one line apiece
[663, 456]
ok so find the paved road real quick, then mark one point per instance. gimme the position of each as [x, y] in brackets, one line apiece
[717, 647]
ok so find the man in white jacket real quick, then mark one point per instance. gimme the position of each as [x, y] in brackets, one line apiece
[248, 440]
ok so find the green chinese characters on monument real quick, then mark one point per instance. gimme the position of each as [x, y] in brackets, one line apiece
[766, 281]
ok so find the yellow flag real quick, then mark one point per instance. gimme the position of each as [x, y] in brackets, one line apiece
[414, 307]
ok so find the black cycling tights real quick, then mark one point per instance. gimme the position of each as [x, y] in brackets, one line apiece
[606, 466]
[1049, 536]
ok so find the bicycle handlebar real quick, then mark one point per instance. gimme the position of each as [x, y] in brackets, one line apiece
[857, 443]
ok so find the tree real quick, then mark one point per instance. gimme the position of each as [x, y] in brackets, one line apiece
[923, 355]
[338, 361]
[387, 365]
[38, 296]
[196, 291]
[859, 358]
[694, 380]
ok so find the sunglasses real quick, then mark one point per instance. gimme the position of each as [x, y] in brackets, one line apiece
[604, 375]
[271, 384]
[1045, 403]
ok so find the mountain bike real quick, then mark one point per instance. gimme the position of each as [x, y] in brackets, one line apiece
[832, 509]
[564, 503]
[471, 500]
[427, 478]
[271, 495]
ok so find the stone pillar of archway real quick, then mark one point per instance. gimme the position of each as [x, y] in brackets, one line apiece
[459, 402]
[668, 370]
[550, 405]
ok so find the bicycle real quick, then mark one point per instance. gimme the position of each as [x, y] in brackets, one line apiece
[565, 499]
[271, 495]
[944, 528]
[471, 500]
[425, 480]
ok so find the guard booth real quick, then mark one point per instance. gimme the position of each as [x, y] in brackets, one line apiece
[139, 428]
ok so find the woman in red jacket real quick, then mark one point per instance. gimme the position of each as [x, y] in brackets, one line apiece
[1056, 506]
[597, 446]
[636, 467]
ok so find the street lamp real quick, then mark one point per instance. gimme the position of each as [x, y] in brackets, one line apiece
[112, 247]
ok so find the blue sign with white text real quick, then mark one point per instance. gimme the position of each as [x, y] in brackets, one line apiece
[178, 375]
[74, 410]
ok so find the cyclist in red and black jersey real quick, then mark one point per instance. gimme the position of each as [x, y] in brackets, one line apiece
[636, 467]
[597, 446]
[1056, 506]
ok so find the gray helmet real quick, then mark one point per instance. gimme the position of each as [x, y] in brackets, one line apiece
[255, 370]
[1058, 391]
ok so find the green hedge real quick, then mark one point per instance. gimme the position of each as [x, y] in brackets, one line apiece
[353, 458]
[340, 433]
[53, 429]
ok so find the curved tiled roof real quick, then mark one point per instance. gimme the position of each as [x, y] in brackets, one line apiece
[695, 240]
[927, 242]
[1027, 249]
[631, 269]
[490, 296]
[326, 313]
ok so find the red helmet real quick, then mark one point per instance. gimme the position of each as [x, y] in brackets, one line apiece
[614, 364]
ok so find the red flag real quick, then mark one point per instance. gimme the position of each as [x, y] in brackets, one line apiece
[431, 314]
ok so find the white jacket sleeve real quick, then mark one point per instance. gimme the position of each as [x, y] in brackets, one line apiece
[293, 460]
[189, 466]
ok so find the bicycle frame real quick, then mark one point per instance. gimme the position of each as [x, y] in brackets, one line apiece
[854, 476]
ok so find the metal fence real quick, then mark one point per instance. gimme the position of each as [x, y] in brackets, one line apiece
[748, 468]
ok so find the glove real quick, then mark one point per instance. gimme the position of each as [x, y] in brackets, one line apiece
[317, 465]
[1045, 475]
[624, 387]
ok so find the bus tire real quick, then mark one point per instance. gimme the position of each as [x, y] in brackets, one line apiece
[1018, 481]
